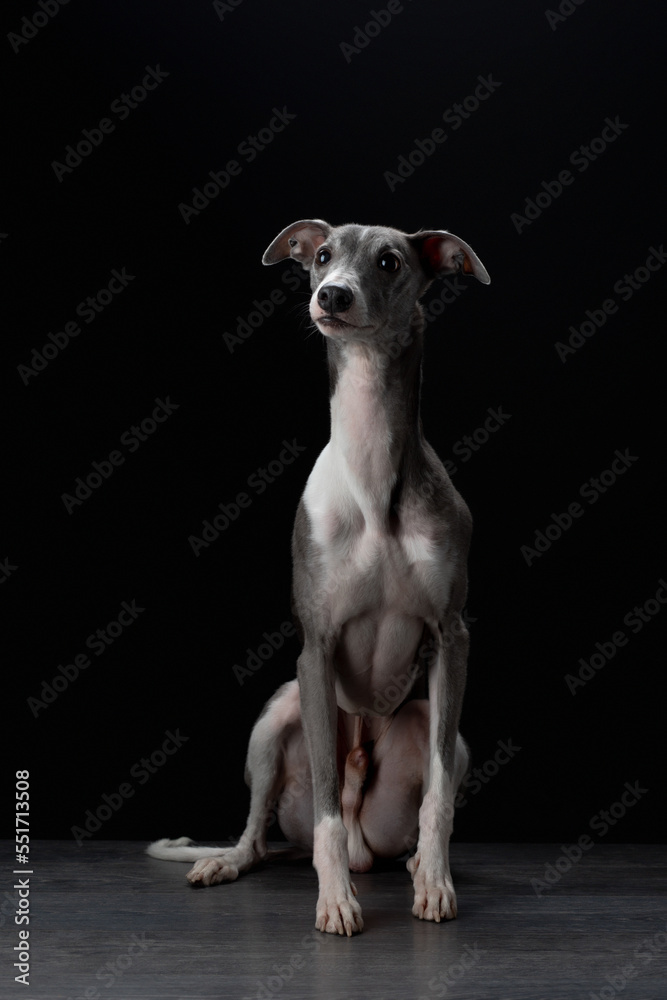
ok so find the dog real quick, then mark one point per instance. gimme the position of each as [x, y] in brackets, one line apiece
[357, 764]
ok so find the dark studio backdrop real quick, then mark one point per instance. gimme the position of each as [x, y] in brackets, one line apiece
[155, 370]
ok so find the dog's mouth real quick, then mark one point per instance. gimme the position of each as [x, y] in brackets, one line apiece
[329, 320]
[331, 323]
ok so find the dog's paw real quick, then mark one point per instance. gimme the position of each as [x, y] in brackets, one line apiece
[339, 912]
[435, 898]
[212, 871]
[435, 902]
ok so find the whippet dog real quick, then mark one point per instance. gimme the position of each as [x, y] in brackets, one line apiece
[352, 762]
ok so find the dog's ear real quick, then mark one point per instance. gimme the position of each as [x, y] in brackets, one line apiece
[443, 253]
[300, 241]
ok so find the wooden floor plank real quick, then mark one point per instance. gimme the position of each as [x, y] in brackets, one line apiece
[106, 921]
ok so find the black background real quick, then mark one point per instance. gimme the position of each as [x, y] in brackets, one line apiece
[172, 669]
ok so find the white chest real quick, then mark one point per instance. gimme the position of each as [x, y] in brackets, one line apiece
[368, 567]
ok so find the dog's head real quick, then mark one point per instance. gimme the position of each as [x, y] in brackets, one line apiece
[366, 280]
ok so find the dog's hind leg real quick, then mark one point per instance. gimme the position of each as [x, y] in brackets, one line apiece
[265, 775]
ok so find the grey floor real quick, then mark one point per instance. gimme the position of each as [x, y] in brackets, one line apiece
[109, 922]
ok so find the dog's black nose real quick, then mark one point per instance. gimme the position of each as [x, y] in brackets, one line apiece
[335, 298]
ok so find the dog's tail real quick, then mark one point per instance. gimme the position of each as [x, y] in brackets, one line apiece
[181, 850]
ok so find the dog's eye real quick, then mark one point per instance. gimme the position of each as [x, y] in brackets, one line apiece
[389, 262]
[323, 256]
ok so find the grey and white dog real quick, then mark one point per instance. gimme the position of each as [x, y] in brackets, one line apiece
[355, 763]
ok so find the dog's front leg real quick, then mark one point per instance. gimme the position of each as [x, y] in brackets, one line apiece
[435, 898]
[337, 910]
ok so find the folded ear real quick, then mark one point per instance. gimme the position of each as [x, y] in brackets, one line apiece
[443, 253]
[300, 241]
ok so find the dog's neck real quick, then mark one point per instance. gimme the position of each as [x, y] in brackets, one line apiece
[375, 422]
